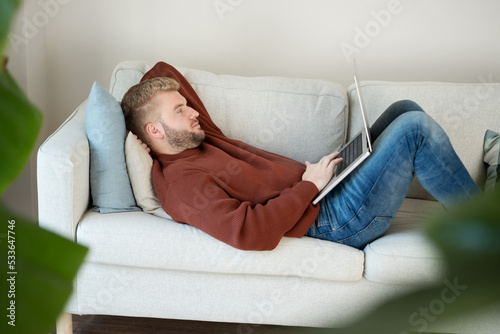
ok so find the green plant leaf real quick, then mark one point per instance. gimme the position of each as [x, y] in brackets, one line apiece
[20, 122]
[469, 238]
[41, 275]
[38, 266]
[7, 10]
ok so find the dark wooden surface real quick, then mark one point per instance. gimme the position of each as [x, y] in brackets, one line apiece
[103, 324]
[100, 324]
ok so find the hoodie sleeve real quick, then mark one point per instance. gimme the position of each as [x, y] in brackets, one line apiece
[197, 200]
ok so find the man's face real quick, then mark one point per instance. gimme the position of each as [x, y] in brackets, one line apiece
[181, 127]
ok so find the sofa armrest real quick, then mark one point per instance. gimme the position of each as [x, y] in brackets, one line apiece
[63, 176]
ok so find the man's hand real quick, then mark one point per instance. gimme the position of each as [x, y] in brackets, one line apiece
[321, 172]
[145, 146]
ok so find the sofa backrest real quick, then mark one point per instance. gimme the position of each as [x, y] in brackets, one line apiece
[305, 119]
[464, 111]
[302, 119]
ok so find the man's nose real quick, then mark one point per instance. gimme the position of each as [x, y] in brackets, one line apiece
[194, 114]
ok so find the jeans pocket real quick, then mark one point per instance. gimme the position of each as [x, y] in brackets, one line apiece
[375, 229]
[324, 224]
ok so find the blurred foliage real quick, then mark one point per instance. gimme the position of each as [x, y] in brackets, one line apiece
[38, 266]
[469, 238]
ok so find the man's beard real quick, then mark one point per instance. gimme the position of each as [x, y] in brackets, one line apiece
[182, 140]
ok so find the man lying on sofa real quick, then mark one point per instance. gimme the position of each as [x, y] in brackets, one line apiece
[250, 199]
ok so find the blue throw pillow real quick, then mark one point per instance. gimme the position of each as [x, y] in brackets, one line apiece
[492, 159]
[105, 126]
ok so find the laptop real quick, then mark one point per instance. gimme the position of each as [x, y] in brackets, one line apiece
[355, 151]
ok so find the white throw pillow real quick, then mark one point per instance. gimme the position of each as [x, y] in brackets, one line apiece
[139, 165]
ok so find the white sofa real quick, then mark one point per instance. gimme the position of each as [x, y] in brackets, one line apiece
[145, 266]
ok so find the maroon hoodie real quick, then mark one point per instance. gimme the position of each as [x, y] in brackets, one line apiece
[238, 194]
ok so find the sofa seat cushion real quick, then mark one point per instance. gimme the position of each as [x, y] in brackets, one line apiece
[303, 119]
[142, 240]
[404, 255]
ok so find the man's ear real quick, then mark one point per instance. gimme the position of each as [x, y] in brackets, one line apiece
[154, 131]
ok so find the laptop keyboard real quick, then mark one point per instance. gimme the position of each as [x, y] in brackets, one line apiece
[350, 153]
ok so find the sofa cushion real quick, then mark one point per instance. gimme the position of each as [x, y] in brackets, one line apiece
[299, 118]
[302, 119]
[105, 128]
[456, 107]
[404, 255]
[141, 240]
[139, 168]
[492, 160]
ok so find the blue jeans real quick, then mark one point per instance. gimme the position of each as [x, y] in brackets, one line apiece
[406, 142]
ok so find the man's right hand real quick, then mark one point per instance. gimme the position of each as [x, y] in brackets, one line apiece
[321, 172]
[144, 145]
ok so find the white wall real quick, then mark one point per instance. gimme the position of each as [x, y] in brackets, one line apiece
[71, 43]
